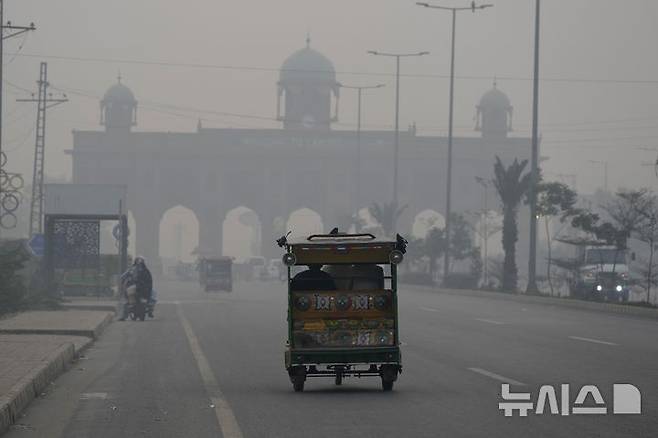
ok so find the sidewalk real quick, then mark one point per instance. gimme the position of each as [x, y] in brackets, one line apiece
[36, 347]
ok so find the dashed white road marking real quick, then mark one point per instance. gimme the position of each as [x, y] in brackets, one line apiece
[496, 376]
[594, 341]
[428, 309]
[93, 396]
[223, 411]
[489, 321]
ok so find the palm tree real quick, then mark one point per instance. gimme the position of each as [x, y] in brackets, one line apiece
[387, 215]
[511, 186]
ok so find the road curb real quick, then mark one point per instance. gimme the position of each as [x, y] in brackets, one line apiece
[97, 307]
[563, 302]
[31, 385]
[90, 333]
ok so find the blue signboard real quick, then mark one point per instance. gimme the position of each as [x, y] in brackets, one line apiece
[37, 245]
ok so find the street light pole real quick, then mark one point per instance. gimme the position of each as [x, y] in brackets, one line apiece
[534, 170]
[448, 211]
[357, 165]
[397, 57]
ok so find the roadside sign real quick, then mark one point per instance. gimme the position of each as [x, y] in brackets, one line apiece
[37, 245]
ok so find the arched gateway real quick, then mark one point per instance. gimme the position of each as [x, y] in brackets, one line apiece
[275, 172]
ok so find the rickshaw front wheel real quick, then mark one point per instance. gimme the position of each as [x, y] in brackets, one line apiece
[387, 385]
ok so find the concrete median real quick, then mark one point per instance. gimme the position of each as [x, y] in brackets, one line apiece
[613, 308]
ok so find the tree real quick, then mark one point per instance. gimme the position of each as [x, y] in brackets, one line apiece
[387, 215]
[434, 247]
[461, 238]
[511, 185]
[634, 213]
[554, 198]
[645, 227]
[346, 222]
[12, 289]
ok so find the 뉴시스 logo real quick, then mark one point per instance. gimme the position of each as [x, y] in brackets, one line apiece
[626, 399]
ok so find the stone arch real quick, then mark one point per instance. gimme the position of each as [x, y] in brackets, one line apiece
[178, 235]
[425, 220]
[305, 221]
[242, 230]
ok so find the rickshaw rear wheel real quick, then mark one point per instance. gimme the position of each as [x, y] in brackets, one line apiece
[339, 378]
[297, 377]
[389, 374]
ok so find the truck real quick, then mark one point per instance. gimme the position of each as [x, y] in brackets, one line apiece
[601, 273]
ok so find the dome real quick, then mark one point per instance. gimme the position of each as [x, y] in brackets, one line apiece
[308, 64]
[118, 108]
[495, 99]
[119, 93]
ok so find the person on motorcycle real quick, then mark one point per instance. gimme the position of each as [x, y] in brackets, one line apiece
[143, 282]
[137, 281]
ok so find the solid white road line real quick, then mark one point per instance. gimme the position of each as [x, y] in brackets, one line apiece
[496, 376]
[428, 309]
[489, 321]
[594, 341]
[223, 411]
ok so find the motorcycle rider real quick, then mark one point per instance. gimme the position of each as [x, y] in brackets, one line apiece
[138, 277]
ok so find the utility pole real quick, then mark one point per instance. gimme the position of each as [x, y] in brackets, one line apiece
[448, 212]
[12, 32]
[357, 165]
[397, 57]
[534, 169]
[44, 101]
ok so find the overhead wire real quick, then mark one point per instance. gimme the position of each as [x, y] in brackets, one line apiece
[162, 63]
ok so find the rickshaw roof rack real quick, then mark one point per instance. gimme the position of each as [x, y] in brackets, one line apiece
[340, 237]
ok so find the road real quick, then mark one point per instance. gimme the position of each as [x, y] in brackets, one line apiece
[211, 365]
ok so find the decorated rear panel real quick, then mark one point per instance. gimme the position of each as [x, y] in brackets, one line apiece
[340, 319]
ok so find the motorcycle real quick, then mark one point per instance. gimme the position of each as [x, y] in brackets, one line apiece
[138, 307]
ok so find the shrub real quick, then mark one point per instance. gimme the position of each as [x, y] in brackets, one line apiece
[12, 288]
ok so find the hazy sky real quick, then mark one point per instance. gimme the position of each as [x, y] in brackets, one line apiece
[600, 101]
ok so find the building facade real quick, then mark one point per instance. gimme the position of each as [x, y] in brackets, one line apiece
[274, 172]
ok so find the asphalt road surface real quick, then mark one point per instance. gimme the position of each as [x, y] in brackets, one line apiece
[211, 365]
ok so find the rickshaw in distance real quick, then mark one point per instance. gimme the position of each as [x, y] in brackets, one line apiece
[342, 307]
[215, 273]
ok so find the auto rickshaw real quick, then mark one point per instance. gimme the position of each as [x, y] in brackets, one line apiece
[343, 317]
[215, 273]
